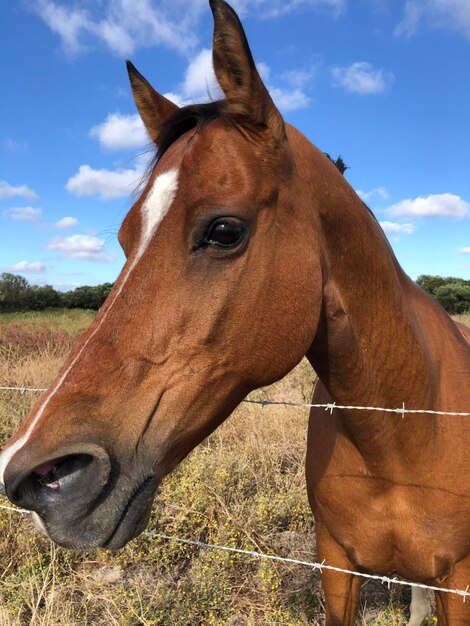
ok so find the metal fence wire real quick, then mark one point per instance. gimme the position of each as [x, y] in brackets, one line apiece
[464, 593]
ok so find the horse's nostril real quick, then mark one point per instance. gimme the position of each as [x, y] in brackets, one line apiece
[61, 473]
[72, 480]
[46, 473]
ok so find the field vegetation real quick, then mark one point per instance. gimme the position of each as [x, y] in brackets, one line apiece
[243, 487]
[17, 294]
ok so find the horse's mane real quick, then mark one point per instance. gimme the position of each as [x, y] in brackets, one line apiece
[195, 116]
[184, 119]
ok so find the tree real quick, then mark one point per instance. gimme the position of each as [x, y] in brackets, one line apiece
[87, 297]
[13, 292]
[430, 283]
[16, 294]
[451, 292]
[40, 298]
[454, 297]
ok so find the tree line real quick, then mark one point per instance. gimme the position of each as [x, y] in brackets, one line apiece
[452, 293]
[17, 294]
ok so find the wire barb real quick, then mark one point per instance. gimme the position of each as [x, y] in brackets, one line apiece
[465, 593]
[313, 564]
[331, 406]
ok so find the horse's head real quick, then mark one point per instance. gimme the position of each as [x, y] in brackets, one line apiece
[219, 295]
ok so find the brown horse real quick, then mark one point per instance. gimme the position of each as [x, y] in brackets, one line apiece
[246, 251]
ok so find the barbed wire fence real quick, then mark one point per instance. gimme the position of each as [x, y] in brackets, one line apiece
[329, 406]
[387, 580]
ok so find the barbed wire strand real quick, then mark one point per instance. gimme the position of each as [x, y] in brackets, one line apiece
[464, 593]
[22, 389]
[314, 565]
[330, 406]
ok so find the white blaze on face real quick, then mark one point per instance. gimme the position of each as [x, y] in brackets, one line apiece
[155, 207]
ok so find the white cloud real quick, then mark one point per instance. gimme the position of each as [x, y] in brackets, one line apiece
[450, 14]
[464, 250]
[438, 205]
[65, 286]
[108, 184]
[120, 132]
[80, 247]
[289, 99]
[393, 228]
[299, 77]
[200, 83]
[199, 80]
[123, 26]
[275, 8]
[411, 18]
[67, 24]
[21, 191]
[291, 95]
[66, 222]
[24, 267]
[126, 132]
[361, 77]
[15, 146]
[380, 192]
[176, 98]
[23, 214]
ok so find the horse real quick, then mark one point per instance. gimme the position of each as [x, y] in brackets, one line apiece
[246, 251]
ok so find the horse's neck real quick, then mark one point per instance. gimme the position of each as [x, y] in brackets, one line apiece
[370, 348]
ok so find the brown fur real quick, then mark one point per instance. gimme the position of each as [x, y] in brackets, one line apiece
[195, 328]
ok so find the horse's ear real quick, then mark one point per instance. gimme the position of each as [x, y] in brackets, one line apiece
[236, 72]
[154, 108]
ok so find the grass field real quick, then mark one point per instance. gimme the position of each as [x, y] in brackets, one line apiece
[464, 318]
[243, 487]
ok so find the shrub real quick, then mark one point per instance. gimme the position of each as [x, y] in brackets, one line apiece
[452, 293]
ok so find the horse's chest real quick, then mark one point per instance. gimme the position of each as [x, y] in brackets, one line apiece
[385, 529]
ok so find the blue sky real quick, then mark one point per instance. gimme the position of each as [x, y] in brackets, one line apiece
[384, 83]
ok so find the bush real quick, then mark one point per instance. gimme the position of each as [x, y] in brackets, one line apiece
[87, 297]
[455, 298]
[452, 293]
[13, 292]
[16, 294]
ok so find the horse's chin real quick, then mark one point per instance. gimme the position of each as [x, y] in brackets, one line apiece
[103, 533]
[134, 518]
[39, 524]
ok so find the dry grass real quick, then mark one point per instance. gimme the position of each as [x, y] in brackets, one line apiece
[464, 318]
[242, 487]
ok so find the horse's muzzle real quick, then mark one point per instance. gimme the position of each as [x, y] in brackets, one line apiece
[71, 480]
[80, 497]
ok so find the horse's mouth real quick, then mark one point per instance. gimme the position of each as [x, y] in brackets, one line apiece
[132, 522]
[135, 516]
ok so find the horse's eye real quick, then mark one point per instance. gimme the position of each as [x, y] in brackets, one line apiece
[225, 233]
